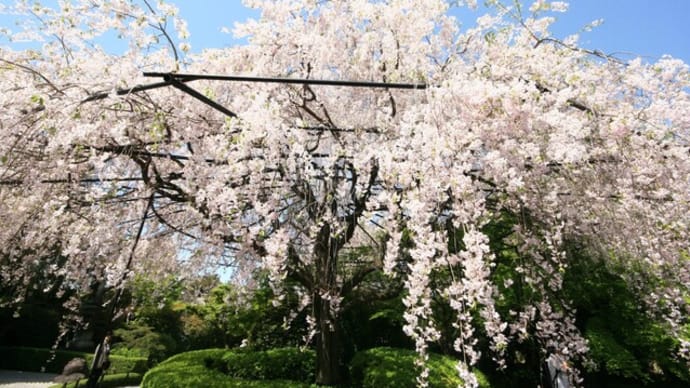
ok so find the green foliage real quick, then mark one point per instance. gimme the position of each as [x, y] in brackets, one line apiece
[389, 367]
[282, 363]
[45, 360]
[121, 364]
[169, 317]
[140, 340]
[121, 350]
[186, 370]
[370, 323]
[190, 370]
[615, 358]
[158, 305]
[196, 356]
[108, 381]
[380, 367]
[625, 342]
[226, 318]
[209, 324]
[262, 324]
[524, 358]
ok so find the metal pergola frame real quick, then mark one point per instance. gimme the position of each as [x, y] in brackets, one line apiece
[178, 80]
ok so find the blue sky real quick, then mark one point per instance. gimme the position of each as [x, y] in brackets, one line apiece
[648, 28]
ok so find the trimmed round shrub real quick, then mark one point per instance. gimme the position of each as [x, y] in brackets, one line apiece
[282, 363]
[390, 367]
[122, 364]
[200, 368]
[186, 370]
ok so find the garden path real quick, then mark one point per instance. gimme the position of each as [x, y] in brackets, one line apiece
[17, 379]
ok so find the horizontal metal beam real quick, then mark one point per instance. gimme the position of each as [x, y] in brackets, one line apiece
[17, 182]
[301, 81]
[135, 89]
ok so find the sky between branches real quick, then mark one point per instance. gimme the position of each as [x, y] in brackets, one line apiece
[631, 28]
[647, 28]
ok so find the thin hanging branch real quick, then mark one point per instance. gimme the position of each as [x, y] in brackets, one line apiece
[118, 292]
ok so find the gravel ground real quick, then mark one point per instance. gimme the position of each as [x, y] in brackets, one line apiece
[16, 379]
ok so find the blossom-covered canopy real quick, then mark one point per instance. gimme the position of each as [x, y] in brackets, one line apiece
[577, 146]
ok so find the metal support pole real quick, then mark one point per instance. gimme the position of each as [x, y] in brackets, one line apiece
[301, 81]
[176, 83]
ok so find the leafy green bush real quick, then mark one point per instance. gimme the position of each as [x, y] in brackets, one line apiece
[283, 363]
[191, 369]
[390, 367]
[626, 343]
[186, 370]
[158, 308]
[121, 364]
[128, 352]
[228, 318]
[108, 381]
[604, 348]
[43, 360]
[141, 340]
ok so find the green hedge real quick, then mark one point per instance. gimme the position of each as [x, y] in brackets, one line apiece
[389, 367]
[122, 364]
[108, 381]
[283, 363]
[43, 360]
[288, 367]
[200, 368]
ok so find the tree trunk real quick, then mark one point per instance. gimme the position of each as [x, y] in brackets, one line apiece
[328, 346]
